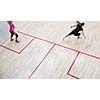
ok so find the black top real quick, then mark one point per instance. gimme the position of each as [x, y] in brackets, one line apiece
[78, 28]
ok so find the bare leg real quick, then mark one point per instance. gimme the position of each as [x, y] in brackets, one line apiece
[66, 36]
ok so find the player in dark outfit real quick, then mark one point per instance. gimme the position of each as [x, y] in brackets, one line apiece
[76, 31]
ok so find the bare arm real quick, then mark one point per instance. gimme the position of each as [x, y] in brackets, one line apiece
[77, 22]
[73, 26]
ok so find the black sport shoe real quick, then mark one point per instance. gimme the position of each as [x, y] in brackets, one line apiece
[11, 39]
[17, 41]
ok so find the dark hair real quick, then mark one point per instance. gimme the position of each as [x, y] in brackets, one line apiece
[82, 24]
[9, 22]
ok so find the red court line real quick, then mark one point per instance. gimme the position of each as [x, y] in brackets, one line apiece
[62, 46]
[49, 42]
[66, 48]
[10, 49]
[41, 62]
[37, 38]
[15, 50]
[90, 55]
[68, 73]
[26, 46]
[73, 76]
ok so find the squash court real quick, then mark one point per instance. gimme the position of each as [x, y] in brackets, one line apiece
[42, 53]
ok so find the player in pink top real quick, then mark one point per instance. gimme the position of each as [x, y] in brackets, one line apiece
[11, 30]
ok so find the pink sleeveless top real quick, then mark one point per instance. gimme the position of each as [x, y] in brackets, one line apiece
[11, 27]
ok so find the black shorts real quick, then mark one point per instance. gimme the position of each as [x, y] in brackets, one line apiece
[12, 33]
[74, 33]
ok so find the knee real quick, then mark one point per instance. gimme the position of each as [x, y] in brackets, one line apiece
[16, 35]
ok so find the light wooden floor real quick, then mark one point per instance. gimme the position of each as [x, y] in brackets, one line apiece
[4, 34]
[42, 54]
